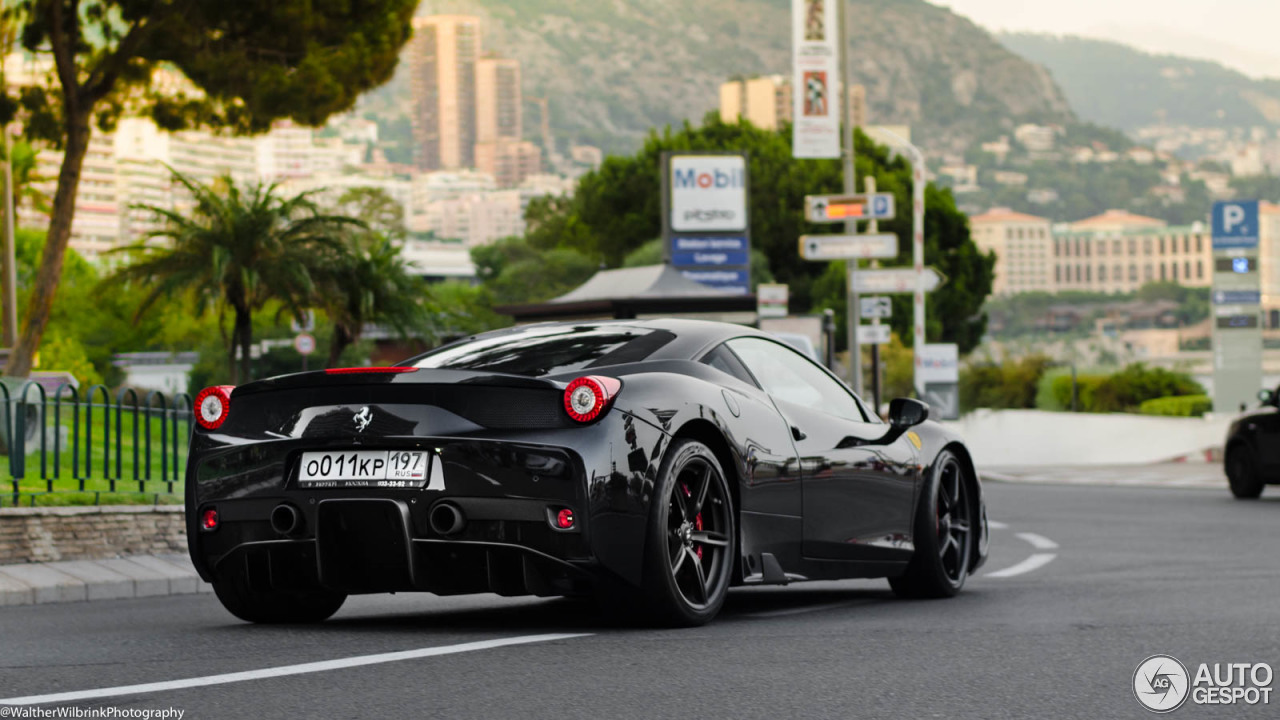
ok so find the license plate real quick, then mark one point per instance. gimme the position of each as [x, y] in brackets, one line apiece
[364, 468]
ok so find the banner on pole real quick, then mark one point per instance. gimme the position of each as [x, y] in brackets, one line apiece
[815, 79]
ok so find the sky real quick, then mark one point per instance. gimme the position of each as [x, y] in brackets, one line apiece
[1240, 34]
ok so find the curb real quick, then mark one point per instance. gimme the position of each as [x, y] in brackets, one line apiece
[112, 579]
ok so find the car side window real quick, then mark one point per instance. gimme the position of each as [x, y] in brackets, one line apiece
[726, 362]
[788, 375]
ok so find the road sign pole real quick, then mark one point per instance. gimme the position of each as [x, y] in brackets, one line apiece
[869, 182]
[850, 187]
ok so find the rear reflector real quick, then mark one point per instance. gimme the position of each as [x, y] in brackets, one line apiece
[368, 370]
[209, 519]
[564, 519]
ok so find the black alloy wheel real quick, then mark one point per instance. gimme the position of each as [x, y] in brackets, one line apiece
[691, 537]
[944, 537]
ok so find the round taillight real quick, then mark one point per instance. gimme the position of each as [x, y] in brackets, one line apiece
[209, 519]
[213, 404]
[564, 519]
[586, 398]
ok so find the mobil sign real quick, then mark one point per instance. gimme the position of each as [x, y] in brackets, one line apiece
[708, 193]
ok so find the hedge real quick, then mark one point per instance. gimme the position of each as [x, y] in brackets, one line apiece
[1178, 406]
[1124, 391]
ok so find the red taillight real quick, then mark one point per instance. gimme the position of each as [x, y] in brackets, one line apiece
[564, 519]
[586, 398]
[209, 519]
[368, 370]
[213, 404]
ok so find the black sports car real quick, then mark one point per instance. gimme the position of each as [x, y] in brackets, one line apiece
[1252, 459]
[654, 463]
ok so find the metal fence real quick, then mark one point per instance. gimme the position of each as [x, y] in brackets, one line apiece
[93, 444]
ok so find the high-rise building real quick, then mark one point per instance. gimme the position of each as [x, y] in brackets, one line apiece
[498, 100]
[509, 161]
[764, 101]
[443, 57]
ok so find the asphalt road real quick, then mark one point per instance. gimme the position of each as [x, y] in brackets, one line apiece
[1130, 572]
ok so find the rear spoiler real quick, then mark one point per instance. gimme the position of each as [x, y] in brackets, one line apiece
[399, 376]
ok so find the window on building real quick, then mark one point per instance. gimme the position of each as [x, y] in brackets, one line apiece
[1008, 233]
[1116, 247]
[1079, 274]
[1057, 273]
[1199, 265]
[1133, 273]
[1088, 273]
[1174, 270]
[1117, 273]
[1146, 246]
[1133, 246]
[1199, 246]
[1186, 243]
[1147, 273]
[1162, 272]
[1186, 270]
[1057, 248]
[1161, 245]
[1102, 248]
[1102, 273]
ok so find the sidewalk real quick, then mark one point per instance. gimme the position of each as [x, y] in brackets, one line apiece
[113, 579]
[1170, 475]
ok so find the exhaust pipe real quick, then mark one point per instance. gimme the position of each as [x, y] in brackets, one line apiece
[446, 519]
[285, 519]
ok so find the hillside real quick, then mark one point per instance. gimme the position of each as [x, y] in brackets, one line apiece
[1116, 85]
[613, 70]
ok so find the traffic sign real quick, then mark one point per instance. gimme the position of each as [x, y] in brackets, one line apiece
[894, 280]
[1237, 297]
[1235, 224]
[875, 307]
[771, 299]
[838, 208]
[873, 334]
[848, 247]
[304, 343]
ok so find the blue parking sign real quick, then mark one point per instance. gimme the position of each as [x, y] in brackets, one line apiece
[1235, 224]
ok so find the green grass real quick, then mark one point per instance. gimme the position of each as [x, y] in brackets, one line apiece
[99, 473]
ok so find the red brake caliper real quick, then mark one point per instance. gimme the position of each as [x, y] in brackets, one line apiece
[697, 520]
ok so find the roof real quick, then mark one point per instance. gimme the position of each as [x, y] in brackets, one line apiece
[1004, 214]
[630, 292]
[636, 282]
[1118, 218]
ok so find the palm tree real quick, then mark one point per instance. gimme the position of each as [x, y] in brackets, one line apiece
[237, 249]
[370, 284]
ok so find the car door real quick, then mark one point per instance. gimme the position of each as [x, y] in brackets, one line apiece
[1267, 434]
[857, 494]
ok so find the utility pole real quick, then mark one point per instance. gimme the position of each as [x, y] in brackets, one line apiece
[873, 227]
[850, 187]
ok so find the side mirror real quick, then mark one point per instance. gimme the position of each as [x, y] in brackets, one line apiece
[907, 412]
[1266, 397]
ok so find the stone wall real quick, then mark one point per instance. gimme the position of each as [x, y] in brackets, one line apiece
[49, 534]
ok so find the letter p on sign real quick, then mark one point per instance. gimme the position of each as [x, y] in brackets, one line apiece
[1232, 216]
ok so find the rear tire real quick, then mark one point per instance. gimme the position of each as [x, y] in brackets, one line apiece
[1242, 473]
[944, 534]
[276, 606]
[690, 540]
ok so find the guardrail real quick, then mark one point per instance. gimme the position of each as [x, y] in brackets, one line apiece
[93, 444]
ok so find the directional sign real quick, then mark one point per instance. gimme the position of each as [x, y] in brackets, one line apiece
[1237, 297]
[1235, 224]
[894, 280]
[875, 307]
[943, 400]
[838, 208]
[848, 247]
[873, 334]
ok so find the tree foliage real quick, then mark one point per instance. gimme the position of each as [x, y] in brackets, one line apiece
[616, 210]
[249, 64]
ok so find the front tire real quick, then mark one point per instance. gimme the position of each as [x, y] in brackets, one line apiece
[276, 606]
[690, 539]
[1242, 473]
[944, 535]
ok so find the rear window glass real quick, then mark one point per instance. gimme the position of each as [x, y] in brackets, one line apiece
[538, 351]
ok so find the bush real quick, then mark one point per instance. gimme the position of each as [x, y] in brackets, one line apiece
[1008, 385]
[1123, 391]
[1178, 406]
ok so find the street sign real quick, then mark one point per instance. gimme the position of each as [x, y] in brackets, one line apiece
[1237, 297]
[848, 247]
[873, 334]
[943, 400]
[304, 343]
[734, 281]
[894, 280]
[938, 362]
[771, 299]
[308, 323]
[1235, 224]
[875, 307]
[839, 208]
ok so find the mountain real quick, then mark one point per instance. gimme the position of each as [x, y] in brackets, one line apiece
[1113, 84]
[614, 69]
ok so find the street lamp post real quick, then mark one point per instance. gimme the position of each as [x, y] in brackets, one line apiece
[10, 255]
[916, 158]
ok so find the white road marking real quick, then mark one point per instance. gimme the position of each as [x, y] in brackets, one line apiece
[1039, 542]
[997, 525]
[1035, 562]
[284, 670]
